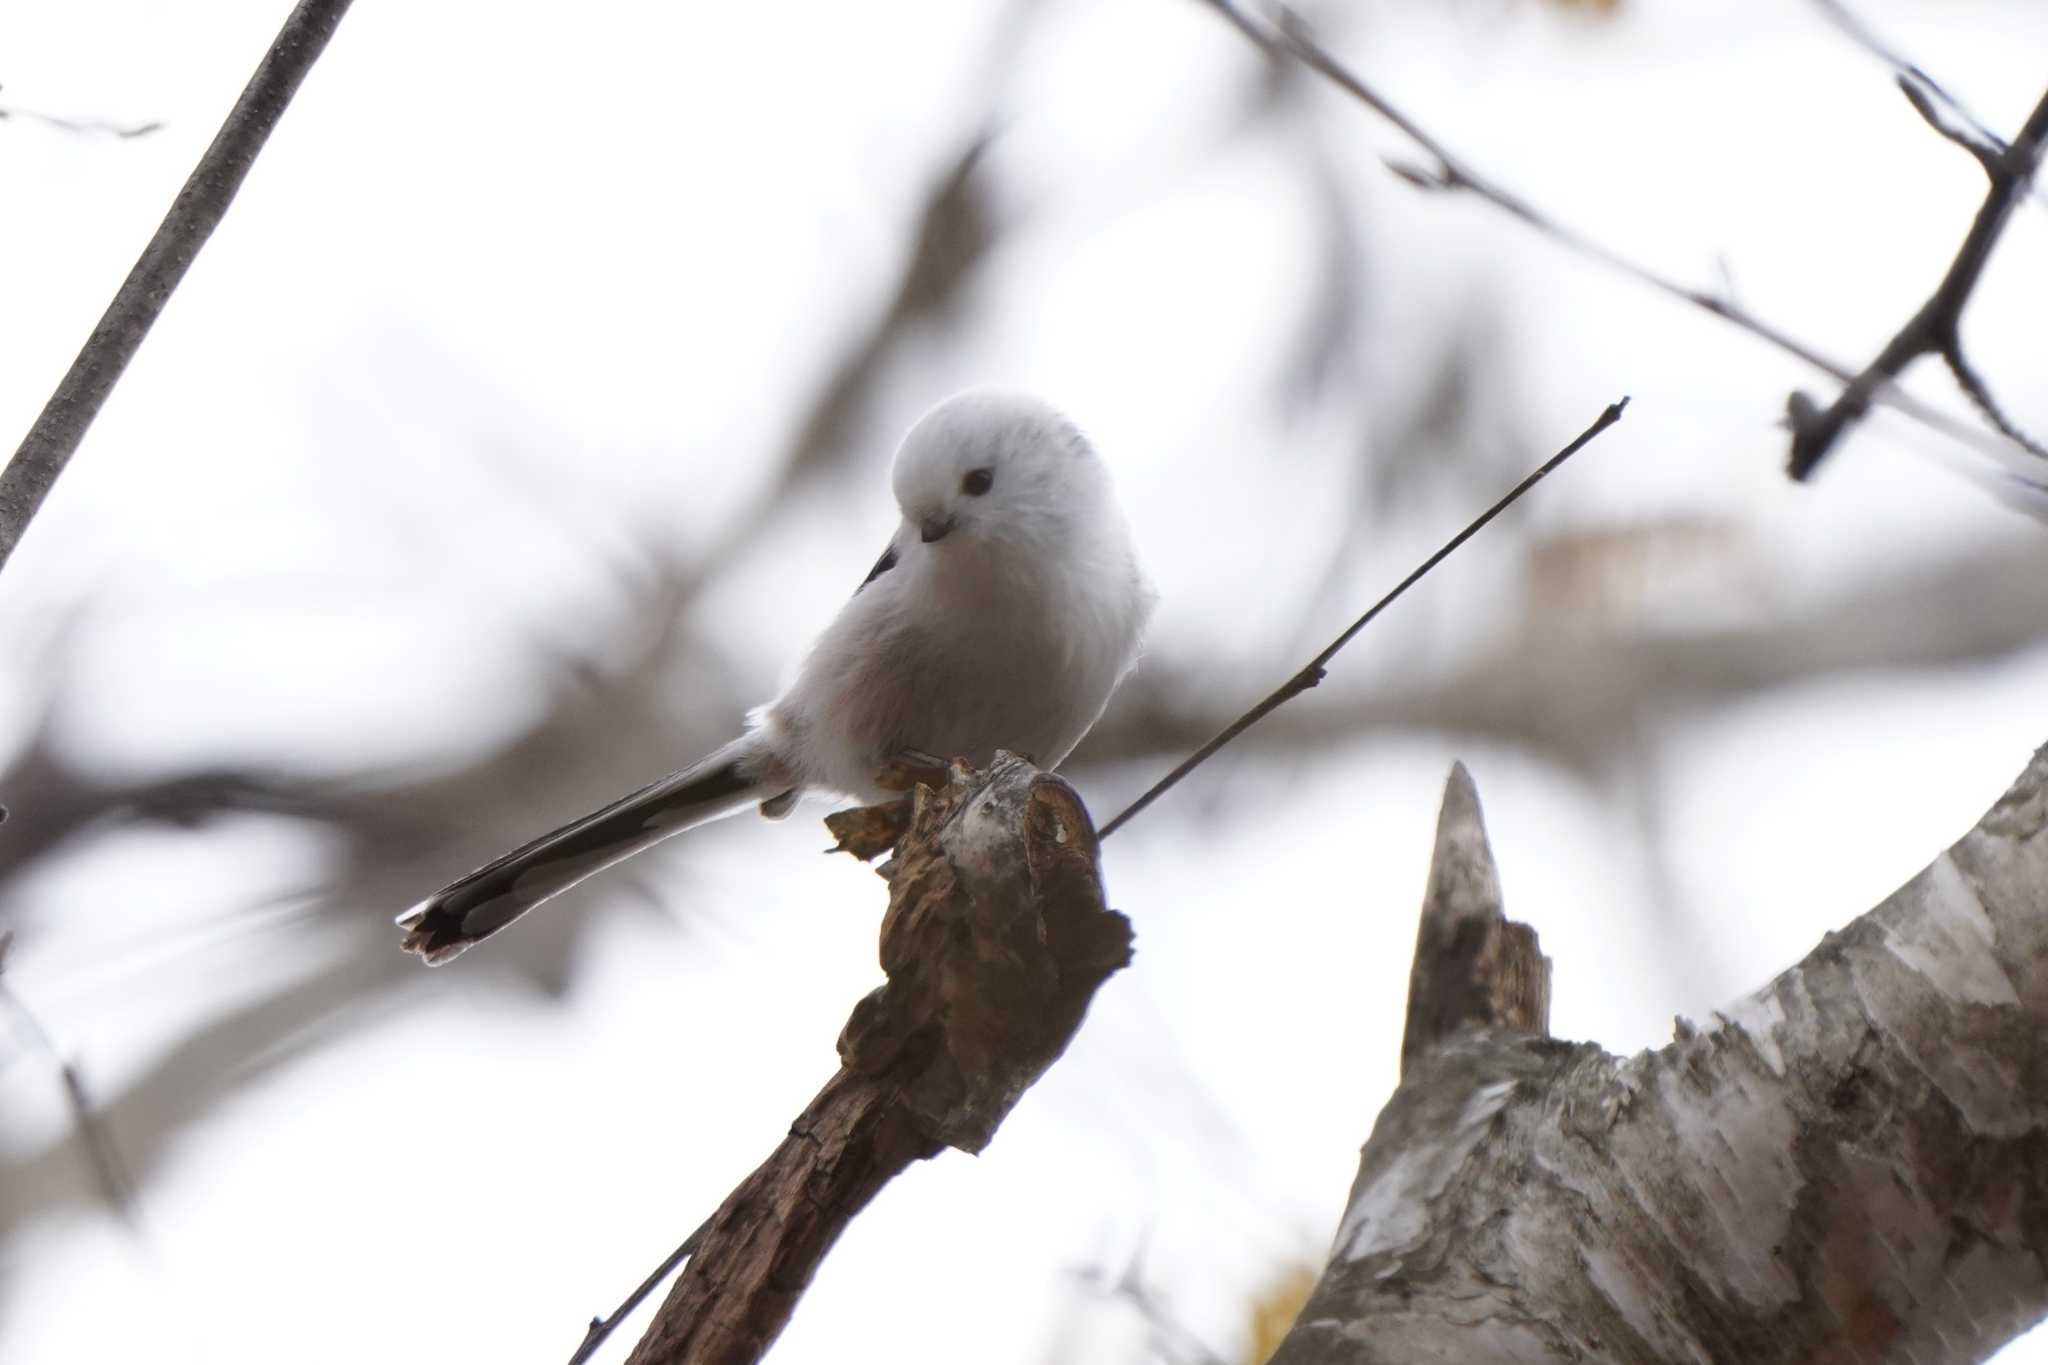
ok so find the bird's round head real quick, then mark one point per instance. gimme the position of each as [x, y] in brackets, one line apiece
[992, 466]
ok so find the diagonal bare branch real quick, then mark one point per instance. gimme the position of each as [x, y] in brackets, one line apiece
[1936, 328]
[995, 941]
[117, 1186]
[1941, 117]
[1450, 172]
[192, 217]
[1929, 97]
[1312, 672]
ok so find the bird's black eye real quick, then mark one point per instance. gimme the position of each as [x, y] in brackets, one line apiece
[977, 482]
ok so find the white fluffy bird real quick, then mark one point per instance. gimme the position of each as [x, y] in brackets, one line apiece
[1006, 609]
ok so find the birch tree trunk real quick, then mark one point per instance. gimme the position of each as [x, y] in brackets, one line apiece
[1850, 1165]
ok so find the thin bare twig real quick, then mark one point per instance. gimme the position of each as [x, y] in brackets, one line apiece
[1312, 672]
[193, 215]
[1945, 119]
[600, 1328]
[1929, 98]
[105, 1156]
[1172, 1340]
[1979, 393]
[1936, 328]
[1451, 172]
[82, 125]
[1947, 116]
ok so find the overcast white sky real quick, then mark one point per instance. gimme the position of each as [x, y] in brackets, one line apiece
[511, 282]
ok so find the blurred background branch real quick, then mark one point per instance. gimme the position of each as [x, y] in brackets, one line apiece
[1930, 97]
[87, 126]
[1289, 34]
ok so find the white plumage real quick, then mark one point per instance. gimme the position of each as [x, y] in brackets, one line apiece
[1004, 612]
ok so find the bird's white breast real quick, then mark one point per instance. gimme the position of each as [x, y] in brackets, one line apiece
[961, 652]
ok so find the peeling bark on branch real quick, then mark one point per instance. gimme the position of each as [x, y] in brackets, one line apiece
[1850, 1165]
[995, 940]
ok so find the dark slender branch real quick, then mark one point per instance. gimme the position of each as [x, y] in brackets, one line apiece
[1935, 329]
[1929, 98]
[1942, 118]
[600, 1328]
[193, 215]
[1452, 173]
[1979, 393]
[1312, 672]
[105, 1156]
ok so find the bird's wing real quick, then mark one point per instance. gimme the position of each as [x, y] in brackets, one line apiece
[882, 566]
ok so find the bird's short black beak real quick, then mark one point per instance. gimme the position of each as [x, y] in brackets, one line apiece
[934, 528]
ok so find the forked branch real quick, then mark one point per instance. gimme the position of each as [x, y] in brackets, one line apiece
[1288, 36]
[1936, 329]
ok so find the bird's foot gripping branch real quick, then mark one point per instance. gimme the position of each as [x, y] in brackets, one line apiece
[995, 940]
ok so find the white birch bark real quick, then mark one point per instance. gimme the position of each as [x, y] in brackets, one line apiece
[1850, 1165]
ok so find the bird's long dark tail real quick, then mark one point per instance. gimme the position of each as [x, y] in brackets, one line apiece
[470, 910]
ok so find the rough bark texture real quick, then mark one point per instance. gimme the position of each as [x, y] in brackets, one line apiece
[1473, 967]
[1850, 1165]
[995, 940]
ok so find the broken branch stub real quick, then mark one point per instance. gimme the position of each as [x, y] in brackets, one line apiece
[995, 940]
[1474, 967]
[1847, 1167]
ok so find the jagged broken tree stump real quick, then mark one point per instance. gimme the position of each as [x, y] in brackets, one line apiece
[995, 940]
[1850, 1165]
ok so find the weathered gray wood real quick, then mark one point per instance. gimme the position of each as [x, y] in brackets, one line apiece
[1473, 966]
[1850, 1165]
